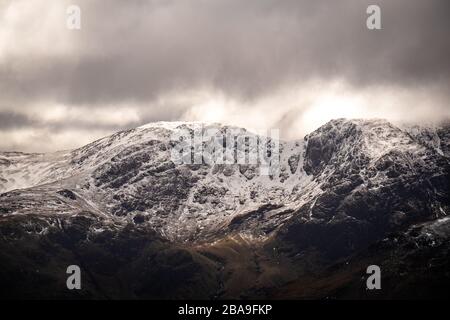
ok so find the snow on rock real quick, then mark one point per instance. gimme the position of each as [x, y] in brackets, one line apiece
[129, 177]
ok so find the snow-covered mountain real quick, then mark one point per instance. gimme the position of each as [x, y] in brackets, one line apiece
[347, 185]
[130, 177]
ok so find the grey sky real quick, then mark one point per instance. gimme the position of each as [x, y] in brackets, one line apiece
[256, 63]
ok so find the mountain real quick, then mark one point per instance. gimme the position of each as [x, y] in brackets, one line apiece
[350, 194]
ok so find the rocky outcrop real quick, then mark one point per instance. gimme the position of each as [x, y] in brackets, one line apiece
[340, 193]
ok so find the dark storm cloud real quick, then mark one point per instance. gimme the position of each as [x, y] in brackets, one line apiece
[12, 120]
[135, 52]
[9, 119]
[140, 49]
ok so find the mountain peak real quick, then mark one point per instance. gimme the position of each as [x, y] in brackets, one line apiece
[348, 185]
[131, 173]
[172, 125]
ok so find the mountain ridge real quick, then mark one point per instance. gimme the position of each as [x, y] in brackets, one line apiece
[137, 160]
[352, 193]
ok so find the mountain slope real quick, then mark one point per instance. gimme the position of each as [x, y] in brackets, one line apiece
[122, 201]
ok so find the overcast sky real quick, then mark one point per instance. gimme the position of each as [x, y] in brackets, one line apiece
[290, 64]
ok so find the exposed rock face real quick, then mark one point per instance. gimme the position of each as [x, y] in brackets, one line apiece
[132, 172]
[375, 179]
[346, 187]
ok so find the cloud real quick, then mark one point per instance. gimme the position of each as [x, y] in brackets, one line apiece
[298, 110]
[280, 63]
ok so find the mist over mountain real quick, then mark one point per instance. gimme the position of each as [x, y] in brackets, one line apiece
[294, 64]
[351, 194]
